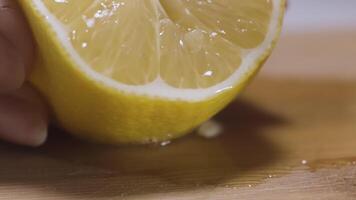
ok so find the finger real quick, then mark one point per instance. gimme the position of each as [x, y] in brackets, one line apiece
[23, 118]
[14, 27]
[16, 46]
[12, 70]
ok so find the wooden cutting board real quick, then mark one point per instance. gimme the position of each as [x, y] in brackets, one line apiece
[284, 138]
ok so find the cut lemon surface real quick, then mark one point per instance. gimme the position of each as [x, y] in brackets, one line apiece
[139, 71]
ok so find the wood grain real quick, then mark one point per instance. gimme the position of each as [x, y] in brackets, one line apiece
[267, 134]
[314, 55]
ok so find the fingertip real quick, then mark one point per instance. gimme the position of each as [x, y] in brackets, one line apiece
[38, 136]
[23, 120]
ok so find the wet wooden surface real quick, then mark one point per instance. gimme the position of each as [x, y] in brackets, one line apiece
[290, 135]
[281, 138]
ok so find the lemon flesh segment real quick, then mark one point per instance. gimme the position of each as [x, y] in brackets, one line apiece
[138, 71]
[188, 44]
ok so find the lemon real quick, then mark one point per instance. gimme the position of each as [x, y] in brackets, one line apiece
[140, 71]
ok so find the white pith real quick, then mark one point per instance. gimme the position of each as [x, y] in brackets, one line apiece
[159, 88]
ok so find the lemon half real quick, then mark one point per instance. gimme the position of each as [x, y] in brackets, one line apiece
[140, 71]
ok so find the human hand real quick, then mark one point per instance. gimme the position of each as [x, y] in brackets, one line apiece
[23, 116]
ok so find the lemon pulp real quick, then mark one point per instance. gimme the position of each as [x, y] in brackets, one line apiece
[188, 44]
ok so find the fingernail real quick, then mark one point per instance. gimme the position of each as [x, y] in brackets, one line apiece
[21, 122]
[38, 137]
[12, 69]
